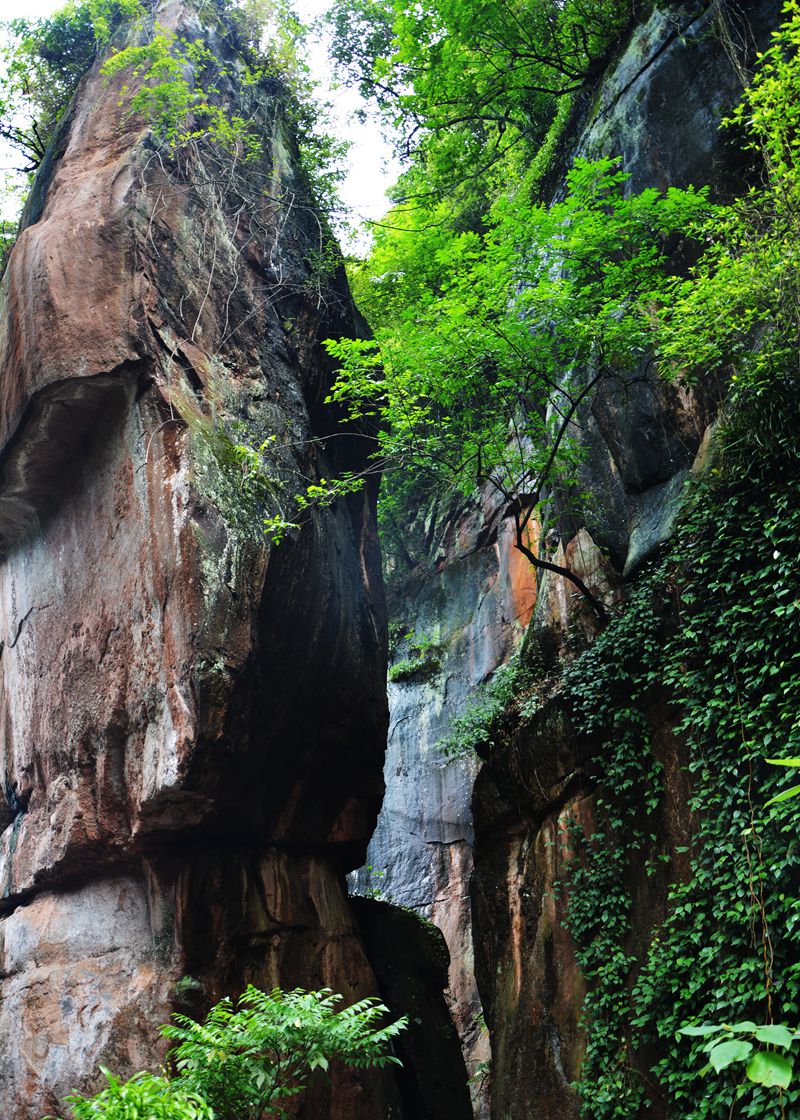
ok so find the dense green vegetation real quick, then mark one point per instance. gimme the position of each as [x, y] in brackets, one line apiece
[462, 275]
[43, 61]
[246, 1061]
[729, 664]
[455, 283]
[496, 317]
[471, 88]
[486, 349]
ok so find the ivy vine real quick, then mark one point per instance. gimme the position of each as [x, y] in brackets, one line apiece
[715, 632]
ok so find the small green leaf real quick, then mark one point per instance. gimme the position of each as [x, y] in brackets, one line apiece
[766, 1068]
[726, 1053]
[699, 1031]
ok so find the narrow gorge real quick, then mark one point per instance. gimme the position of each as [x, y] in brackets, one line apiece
[549, 840]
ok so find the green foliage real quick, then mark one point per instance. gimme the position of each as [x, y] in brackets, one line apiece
[41, 63]
[376, 877]
[728, 1043]
[178, 87]
[467, 84]
[413, 669]
[793, 791]
[728, 949]
[490, 714]
[605, 690]
[738, 308]
[423, 662]
[769, 110]
[247, 1059]
[252, 485]
[487, 344]
[177, 84]
[247, 484]
[143, 1095]
[244, 1062]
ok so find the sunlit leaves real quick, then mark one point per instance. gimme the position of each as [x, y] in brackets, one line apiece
[488, 342]
[466, 83]
[770, 1069]
[246, 1058]
[143, 1095]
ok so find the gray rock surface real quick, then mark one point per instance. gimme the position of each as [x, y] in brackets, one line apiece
[658, 108]
[475, 610]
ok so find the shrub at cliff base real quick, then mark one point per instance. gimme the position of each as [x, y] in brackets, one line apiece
[244, 1060]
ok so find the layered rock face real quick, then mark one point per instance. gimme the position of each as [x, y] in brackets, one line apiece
[473, 611]
[502, 836]
[193, 723]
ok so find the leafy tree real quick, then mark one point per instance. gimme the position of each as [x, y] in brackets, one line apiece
[246, 1059]
[42, 61]
[466, 81]
[489, 345]
[179, 79]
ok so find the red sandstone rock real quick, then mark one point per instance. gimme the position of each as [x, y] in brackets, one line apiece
[181, 706]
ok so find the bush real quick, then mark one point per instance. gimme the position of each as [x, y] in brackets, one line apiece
[243, 1060]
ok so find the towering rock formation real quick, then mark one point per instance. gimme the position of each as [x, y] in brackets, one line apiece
[193, 723]
[480, 855]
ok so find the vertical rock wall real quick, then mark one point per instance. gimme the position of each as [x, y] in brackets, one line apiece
[472, 608]
[193, 723]
[658, 107]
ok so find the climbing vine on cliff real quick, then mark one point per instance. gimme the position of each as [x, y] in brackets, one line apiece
[728, 948]
[722, 648]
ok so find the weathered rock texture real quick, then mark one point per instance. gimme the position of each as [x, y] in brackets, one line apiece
[411, 962]
[658, 106]
[193, 724]
[473, 610]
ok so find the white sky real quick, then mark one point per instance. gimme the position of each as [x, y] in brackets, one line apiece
[371, 166]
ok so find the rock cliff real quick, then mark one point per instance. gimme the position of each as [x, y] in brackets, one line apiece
[480, 848]
[193, 722]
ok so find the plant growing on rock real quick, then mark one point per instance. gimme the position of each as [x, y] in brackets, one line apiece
[423, 661]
